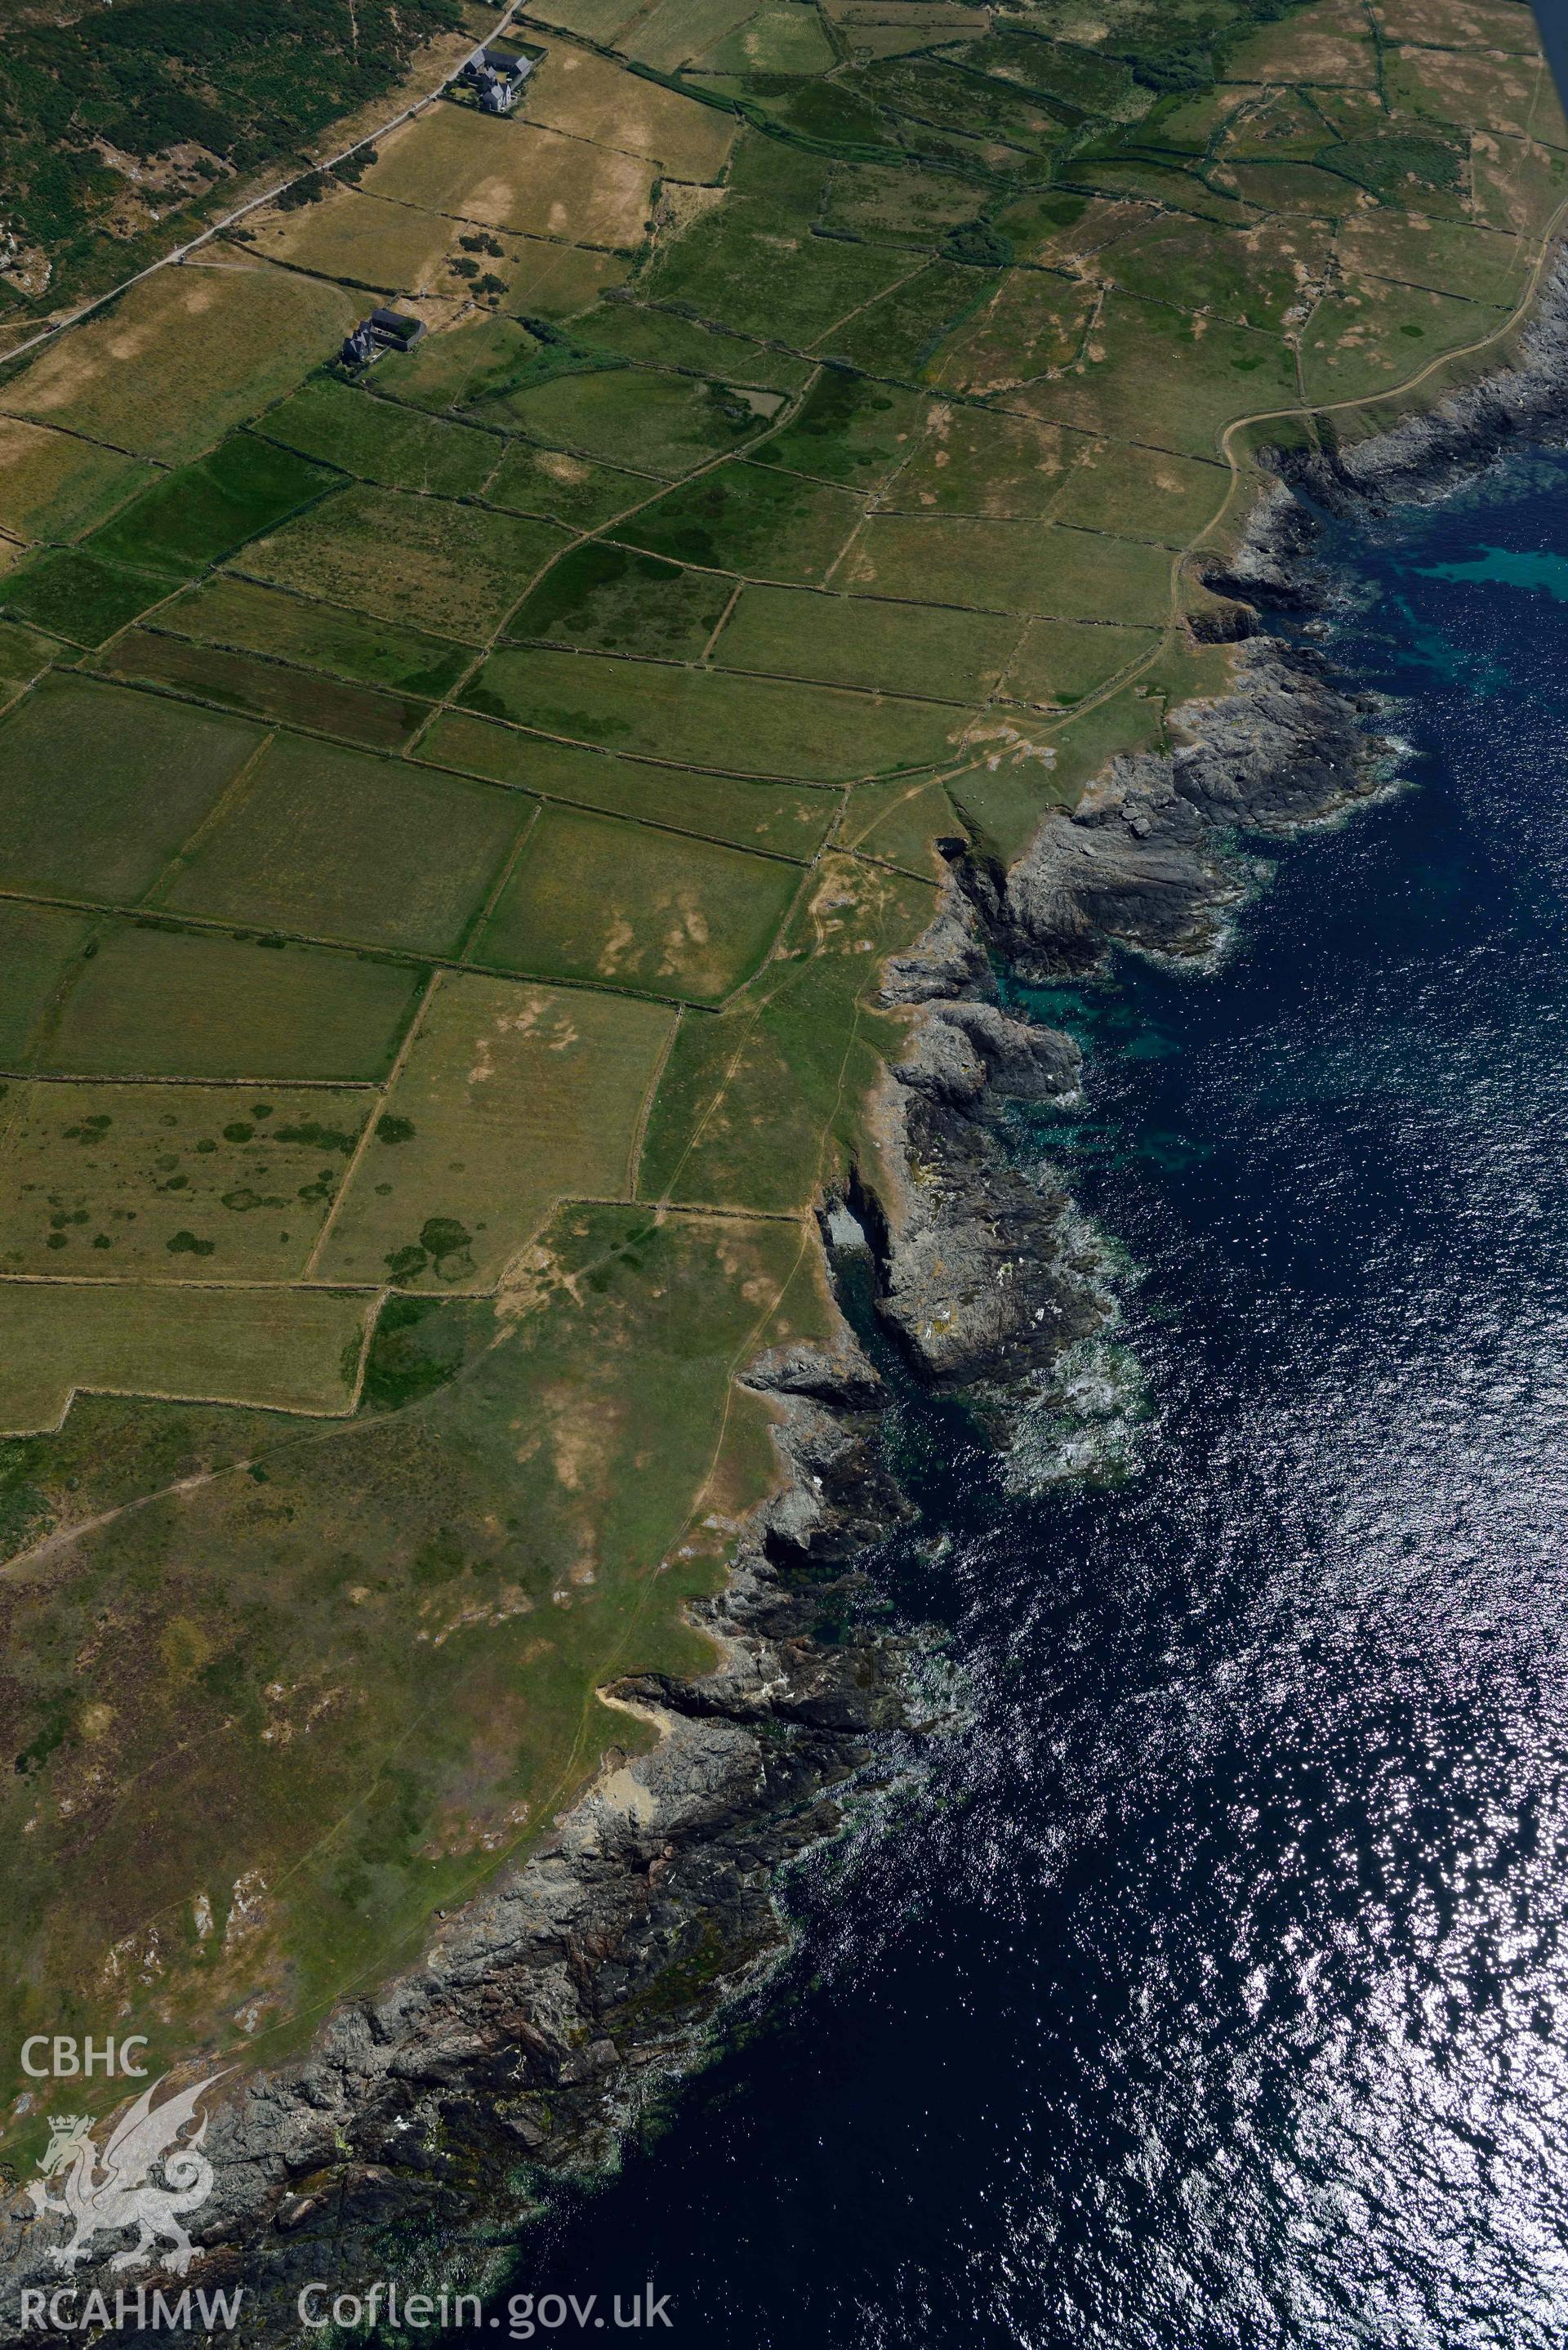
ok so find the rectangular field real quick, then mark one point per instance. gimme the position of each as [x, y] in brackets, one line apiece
[853, 640]
[283, 1349]
[848, 430]
[661, 424]
[381, 441]
[1010, 566]
[751, 518]
[515, 174]
[204, 511]
[99, 786]
[754, 726]
[266, 688]
[330, 844]
[166, 1183]
[390, 249]
[156, 1002]
[592, 899]
[562, 488]
[226, 341]
[788, 818]
[973, 462]
[249, 618]
[589, 98]
[422, 562]
[512, 1098]
[612, 599]
[39, 948]
[54, 486]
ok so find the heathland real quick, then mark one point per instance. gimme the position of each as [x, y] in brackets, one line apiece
[454, 814]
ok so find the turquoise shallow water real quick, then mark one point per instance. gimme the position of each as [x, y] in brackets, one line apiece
[1215, 1989]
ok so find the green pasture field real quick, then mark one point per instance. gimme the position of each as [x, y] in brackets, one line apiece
[226, 342]
[662, 424]
[757, 269]
[590, 98]
[39, 948]
[512, 1098]
[657, 338]
[1059, 662]
[848, 430]
[1450, 259]
[481, 360]
[388, 248]
[675, 30]
[24, 655]
[1374, 335]
[203, 512]
[330, 844]
[1010, 566]
[786, 38]
[99, 787]
[972, 461]
[888, 205]
[383, 443]
[420, 562]
[1503, 92]
[760, 726]
[751, 1100]
[1205, 373]
[790, 819]
[1252, 276]
[596, 20]
[562, 488]
[657, 912]
[170, 1182]
[931, 91]
[1029, 324]
[605, 599]
[266, 688]
[748, 518]
[250, 617]
[556, 281]
[851, 640]
[53, 486]
[154, 1001]
[512, 173]
[1141, 493]
[75, 596]
[288, 1350]
[1518, 185]
[903, 329]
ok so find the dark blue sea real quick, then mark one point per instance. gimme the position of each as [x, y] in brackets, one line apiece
[1212, 1987]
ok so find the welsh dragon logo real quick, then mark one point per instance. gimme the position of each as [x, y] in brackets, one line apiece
[114, 2189]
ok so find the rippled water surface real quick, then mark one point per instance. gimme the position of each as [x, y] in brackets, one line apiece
[1216, 1990]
